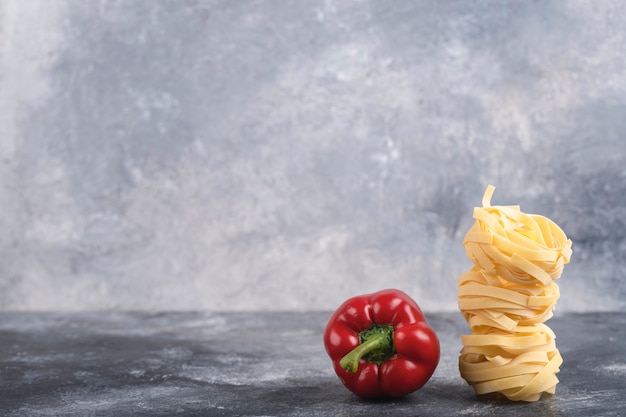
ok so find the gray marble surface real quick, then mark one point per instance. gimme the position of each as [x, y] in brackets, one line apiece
[265, 364]
[296, 145]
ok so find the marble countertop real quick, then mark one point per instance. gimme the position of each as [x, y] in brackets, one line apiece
[265, 364]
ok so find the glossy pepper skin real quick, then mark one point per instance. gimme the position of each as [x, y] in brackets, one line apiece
[381, 345]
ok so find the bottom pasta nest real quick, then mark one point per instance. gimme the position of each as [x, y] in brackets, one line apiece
[521, 365]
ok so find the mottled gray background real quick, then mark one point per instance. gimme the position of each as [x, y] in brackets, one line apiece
[238, 155]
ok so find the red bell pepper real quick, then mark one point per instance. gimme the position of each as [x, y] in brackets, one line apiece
[381, 345]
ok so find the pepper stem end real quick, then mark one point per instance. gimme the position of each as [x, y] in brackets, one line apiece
[376, 346]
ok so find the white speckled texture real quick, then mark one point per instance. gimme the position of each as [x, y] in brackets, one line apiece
[287, 155]
[111, 364]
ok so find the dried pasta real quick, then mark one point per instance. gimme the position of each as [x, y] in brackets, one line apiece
[506, 298]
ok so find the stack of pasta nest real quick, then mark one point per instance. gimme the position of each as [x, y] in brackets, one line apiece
[507, 297]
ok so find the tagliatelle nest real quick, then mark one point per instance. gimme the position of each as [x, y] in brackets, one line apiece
[506, 297]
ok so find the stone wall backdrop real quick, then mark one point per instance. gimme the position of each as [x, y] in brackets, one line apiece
[241, 155]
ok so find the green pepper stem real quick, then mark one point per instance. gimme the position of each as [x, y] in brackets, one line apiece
[376, 346]
[350, 362]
